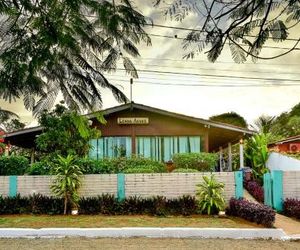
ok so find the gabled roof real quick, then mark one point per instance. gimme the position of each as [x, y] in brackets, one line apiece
[208, 123]
[288, 139]
[23, 131]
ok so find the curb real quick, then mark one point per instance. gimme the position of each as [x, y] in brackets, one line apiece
[153, 232]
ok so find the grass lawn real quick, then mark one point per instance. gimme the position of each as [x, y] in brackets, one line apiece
[145, 244]
[40, 221]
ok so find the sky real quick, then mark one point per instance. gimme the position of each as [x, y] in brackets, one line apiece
[158, 90]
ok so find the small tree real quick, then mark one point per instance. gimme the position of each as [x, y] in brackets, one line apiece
[209, 195]
[230, 118]
[67, 180]
[65, 132]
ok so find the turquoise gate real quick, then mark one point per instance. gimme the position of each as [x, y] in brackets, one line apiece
[273, 190]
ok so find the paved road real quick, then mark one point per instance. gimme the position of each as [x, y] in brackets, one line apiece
[144, 244]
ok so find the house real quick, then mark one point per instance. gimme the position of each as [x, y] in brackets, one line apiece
[287, 145]
[143, 130]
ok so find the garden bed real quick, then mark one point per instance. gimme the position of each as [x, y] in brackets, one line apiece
[100, 221]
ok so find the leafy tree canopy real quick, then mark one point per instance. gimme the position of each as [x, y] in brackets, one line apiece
[65, 132]
[10, 121]
[287, 124]
[230, 118]
[263, 124]
[49, 46]
[244, 25]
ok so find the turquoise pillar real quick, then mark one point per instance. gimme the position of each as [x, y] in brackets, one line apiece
[13, 186]
[268, 190]
[121, 186]
[239, 190]
[277, 190]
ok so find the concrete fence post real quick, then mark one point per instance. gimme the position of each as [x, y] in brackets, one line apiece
[268, 190]
[277, 190]
[239, 190]
[121, 186]
[13, 186]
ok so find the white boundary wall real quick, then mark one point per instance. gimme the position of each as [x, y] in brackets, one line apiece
[282, 162]
[144, 185]
[173, 185]
[291, 184]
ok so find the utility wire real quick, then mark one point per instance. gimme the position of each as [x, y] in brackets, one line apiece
[215, 69]
[217, 62]
[188, 29]
[181, 38]
[207, 85]
[217, 76]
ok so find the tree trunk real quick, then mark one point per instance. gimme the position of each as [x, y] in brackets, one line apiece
[65, 206]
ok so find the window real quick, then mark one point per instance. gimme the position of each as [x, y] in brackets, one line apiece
[110, 147]
[162, 148]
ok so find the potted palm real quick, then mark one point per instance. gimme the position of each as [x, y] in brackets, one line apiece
[67, 181]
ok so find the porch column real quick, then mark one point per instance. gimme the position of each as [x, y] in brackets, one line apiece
[206, 141]
[229, 157]
[241, 153]
[133, 138]
[221, 158]
[32, 155]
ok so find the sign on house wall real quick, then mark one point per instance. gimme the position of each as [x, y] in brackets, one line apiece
[133, 120]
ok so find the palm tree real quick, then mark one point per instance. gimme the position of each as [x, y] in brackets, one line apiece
[264, 123]
[52, 47]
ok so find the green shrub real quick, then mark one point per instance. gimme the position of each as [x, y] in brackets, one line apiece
[39, 168]
[91, 166]
[13, 165]
[123, 163]
[210, 195]
[134, 164]
[185, 170]
[201, 161]
[140, 170]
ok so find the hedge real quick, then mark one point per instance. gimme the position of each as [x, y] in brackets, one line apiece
[251, 211]
[291, 207]
[200, 161]
[13, 165]
[185, 170]
[104, 204]
[255, 189]
[106, 166]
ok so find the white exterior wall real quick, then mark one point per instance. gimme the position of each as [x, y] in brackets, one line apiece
[278, 161]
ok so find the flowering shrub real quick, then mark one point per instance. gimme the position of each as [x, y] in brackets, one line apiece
[291, 207]
[255, 189]
[251, 211]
